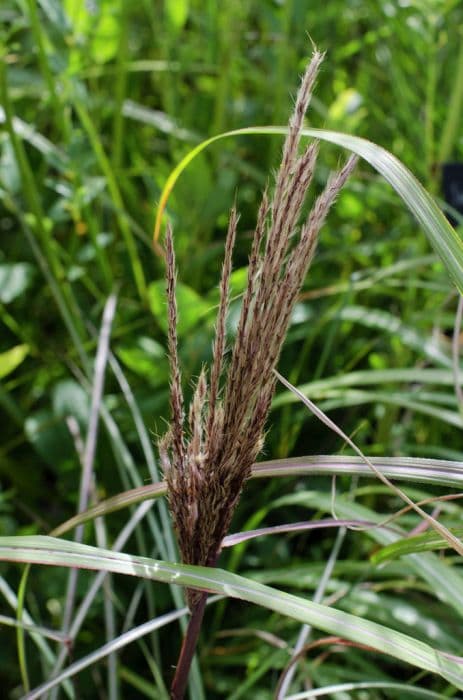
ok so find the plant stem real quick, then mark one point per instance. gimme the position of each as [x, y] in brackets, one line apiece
[114, 191]
[51, 82]
[179, 684]
[452, 122]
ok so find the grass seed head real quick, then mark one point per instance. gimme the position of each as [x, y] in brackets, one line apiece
[207, 463]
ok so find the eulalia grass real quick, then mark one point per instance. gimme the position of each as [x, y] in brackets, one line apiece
[208, 456]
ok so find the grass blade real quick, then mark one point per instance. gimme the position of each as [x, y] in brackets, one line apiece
[429, 471]
[427, 542]
[56, 552]
[405, 690]
[440, 233]
[115, 193]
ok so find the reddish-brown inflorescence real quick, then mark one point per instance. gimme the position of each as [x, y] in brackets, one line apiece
[207, 462]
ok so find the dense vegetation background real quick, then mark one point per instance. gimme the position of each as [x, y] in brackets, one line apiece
[106, 97]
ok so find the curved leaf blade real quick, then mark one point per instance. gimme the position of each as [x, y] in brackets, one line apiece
[56, 552]
[429, 471]
[440, 233]
[427, 542]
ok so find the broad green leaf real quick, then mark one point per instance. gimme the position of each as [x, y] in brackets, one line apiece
[177, 13]
[346, 110]
[56, 552]
[15, 278]
[191, 307]
[12, 358]
[427, 542]
[50, 437]
[238, 281]
[69, 399]
[78, 14]
[55, 14]
[105, 40]
[145, 357]
[98, 24]
[54, 155]
[10, 176]
[441, 235]
[47, 430]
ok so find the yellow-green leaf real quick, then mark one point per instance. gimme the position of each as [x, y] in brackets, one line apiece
[12, 358]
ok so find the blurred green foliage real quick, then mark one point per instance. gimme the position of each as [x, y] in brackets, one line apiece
[99, 100]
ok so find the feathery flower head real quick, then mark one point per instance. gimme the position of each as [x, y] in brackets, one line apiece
[207, 458]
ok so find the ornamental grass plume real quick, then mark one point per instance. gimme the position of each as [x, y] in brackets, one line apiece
[207, 458]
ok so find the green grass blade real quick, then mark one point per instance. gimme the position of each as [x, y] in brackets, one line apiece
[48, 260]
[56, 552]
[147, 447]
[441, 235]
[413, 469]
[452, 125]
[445, 581]
[427, 542]
[40, 39]
[20, 637]
[430, 471]
[407, 400]
[28, 625]
[407, 375]
[405, 690]
[114, 190]
[113, 504]
[392, 324]
[104, 651]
